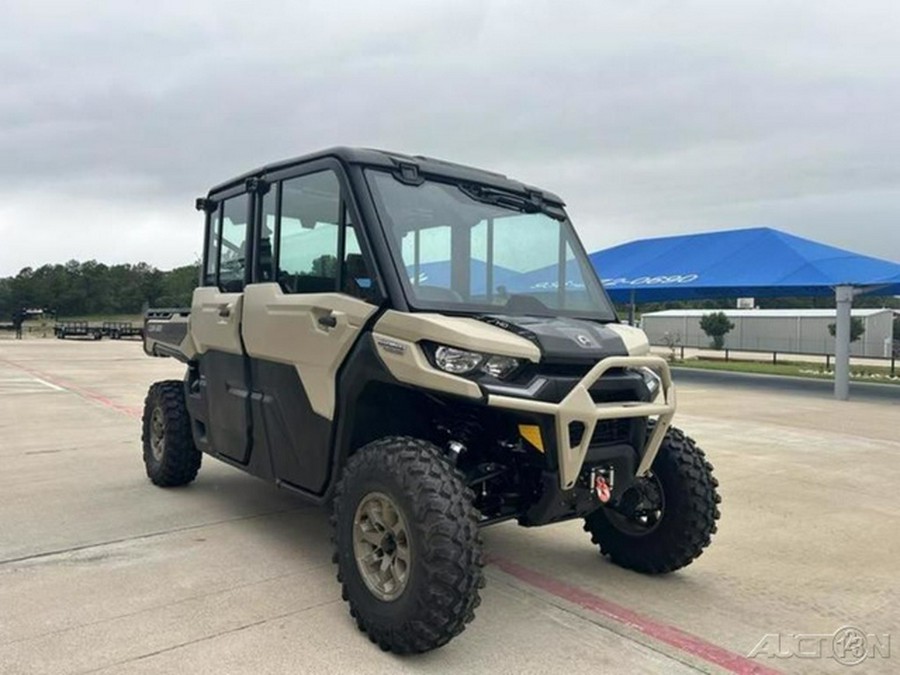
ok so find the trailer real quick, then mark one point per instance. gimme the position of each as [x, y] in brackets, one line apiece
[67, 329]
[116, 330]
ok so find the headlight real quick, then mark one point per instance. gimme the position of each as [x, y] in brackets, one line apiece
[500, 366]
[457, 361]
[463, 362]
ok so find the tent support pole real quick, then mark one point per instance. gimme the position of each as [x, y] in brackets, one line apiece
[631, 309]
[843, 296]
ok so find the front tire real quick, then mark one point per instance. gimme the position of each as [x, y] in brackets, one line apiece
[170, 456]
[666, 521]
[407, 545]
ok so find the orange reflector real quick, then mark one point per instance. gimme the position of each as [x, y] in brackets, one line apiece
[532, 434]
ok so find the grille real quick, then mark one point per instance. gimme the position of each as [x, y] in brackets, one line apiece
[617, 386]
[612, 431]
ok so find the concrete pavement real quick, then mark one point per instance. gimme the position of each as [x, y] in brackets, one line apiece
[102, 572]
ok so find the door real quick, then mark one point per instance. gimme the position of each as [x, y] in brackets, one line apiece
[315, 294]
[216, 313]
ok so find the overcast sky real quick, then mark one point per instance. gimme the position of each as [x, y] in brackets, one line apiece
[649, 118]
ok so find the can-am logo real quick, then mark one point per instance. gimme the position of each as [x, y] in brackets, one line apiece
[652, 281]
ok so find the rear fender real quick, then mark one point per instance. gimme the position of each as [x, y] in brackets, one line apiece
[167, 333]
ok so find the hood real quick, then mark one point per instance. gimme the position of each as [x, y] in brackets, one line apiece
[564, 340]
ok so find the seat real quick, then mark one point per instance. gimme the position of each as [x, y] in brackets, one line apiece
[266, 260]
[358, 281]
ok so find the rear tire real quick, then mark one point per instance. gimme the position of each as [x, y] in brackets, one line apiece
[664, 540]
[170, 457]
[400, 500]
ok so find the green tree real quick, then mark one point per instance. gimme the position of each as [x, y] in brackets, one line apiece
[5, 298]
[325, 266]
[716, 325]
[857, 328]
[91, 287]
[178, 286]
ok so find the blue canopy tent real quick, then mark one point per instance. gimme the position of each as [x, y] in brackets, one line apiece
[892, 285]
[438, 274]
[757, 262]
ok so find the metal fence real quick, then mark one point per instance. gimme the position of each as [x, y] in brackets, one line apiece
[871, 349]
[762, 331]
[775, 350]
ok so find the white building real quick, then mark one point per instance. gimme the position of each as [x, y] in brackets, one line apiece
[798, 331]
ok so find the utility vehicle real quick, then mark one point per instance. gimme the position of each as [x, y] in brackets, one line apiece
[425, 347]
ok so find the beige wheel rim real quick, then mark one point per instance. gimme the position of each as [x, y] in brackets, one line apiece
[381, 546]
[157, 434]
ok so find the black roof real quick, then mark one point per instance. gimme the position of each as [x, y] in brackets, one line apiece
[427, 166]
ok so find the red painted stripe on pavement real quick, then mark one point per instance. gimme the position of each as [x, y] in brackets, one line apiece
[657, 630]
[131, 411]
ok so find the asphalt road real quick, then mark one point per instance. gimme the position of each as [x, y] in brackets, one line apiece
[786, 384]
[102, 572]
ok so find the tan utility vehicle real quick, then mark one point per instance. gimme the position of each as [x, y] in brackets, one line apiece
[426, 347]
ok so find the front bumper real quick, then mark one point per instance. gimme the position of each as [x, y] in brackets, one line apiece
[579, 407]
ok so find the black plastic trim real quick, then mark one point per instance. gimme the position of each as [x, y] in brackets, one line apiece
[223, 378]
[391, 161]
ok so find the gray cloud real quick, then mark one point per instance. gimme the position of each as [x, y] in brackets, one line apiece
[649, 118]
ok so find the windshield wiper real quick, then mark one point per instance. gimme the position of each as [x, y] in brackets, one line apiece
[533, 202]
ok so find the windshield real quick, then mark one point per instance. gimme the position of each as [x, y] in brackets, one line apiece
[467, 250]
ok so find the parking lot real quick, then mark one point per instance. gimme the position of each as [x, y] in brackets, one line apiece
[102, 572]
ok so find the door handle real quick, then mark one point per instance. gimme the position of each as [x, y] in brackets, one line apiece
[328, 321]
[225, 310]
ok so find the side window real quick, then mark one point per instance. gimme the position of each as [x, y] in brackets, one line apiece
[302, 217]
[226, 252]
[212, 247]
[308, 233]
[233, 251]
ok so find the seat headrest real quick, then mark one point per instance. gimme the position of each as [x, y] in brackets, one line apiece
[356, 266]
